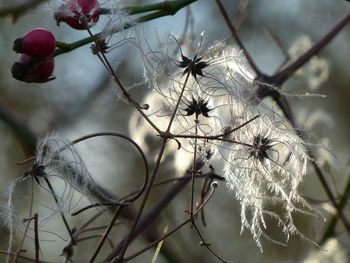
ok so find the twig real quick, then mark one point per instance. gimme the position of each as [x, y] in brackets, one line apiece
[18, 8]
[23, 257]
[144, 200]
[154, 212]
[143, 156]
[207, 245]
[120, 85]
[18, 251]
[238, 40]
[333, 222]
[65, 221]
[36, 239]
[172, 231]
[105, 234]
[283, 75]
[169, 8]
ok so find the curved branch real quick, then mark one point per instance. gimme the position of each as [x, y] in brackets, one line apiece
[115, 134]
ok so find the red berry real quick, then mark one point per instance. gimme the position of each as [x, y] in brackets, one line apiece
[74, 10]
[29, 69]
[37, 43]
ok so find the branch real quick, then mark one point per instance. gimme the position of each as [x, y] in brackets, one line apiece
[237, 39]
[164, 9]
[154, 212]
[283, 75]
[332, 224]
[18, 8]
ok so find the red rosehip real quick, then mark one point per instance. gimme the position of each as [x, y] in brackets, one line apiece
[74, 10]
[37, 43]
[29, 69]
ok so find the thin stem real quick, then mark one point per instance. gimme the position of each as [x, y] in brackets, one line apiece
[207, 245]
[235, 36]
[139, 149]
[163, 237]
[105, 234]
[68, 249]
[178, 101]
[319, 173]
[218, 137]
[171, 7]
[61, 213]
[153, 213]
[23, 257]
[159, 183]
[121, 87]
[18, 251]
[204, 176]
[113, 203]
[283, 75]
[91, 229]
[193, 172]
[215, 137]
[166, 8]
[36, 239]
[333, 222]
[144, 200]
[238, 127]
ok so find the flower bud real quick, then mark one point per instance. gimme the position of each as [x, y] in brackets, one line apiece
[29, 69]
[74, 11]
[37, 43]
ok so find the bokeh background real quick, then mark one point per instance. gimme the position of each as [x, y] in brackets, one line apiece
[83, 99]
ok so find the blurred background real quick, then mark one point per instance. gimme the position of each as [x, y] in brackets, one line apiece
[82, 99]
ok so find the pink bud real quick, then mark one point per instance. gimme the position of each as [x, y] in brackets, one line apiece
[37, 43]
[74, 11]
[29, 69]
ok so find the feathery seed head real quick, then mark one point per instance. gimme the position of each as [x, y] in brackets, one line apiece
[265, 168]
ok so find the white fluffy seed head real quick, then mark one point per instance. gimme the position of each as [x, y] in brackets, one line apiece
[264, 160]
[265, 172]
[59, 158]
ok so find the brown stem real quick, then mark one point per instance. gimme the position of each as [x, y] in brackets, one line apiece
[121, 86]
[331, 197]
[144, 200]
[23, 257]
[238, 40]
[105, 234]
[65, 221]
[179, 100]
[139, 149]
[163, 237]
[282, 76]
[319, 173]
[154, 212]
[193, 172]
[36, 239]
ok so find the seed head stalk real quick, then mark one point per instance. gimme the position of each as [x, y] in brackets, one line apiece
[155, 170]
